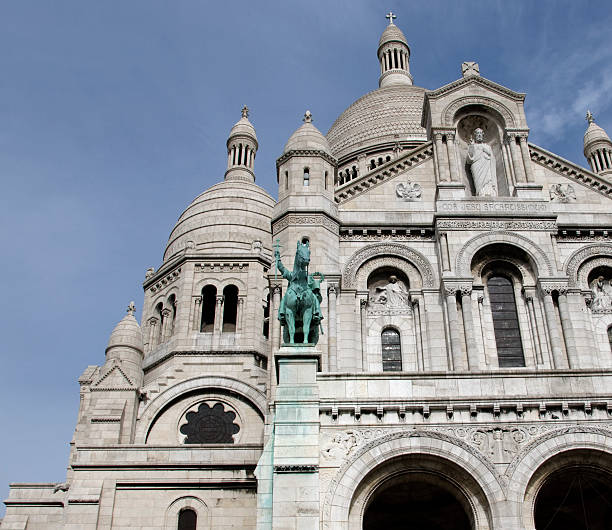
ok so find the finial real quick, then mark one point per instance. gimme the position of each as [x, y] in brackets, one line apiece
[131, 308]
[307, 117]
[390, 16]
[589, 117]
[245, 112]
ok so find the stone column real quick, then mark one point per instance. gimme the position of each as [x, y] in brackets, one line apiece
[331, 328]
[519, 175]
[451, 150]
[239, 314]
[553, 330]
[442, 169]
[218, 323]
[468, 327]
[568, 331]
[153, 323]
[533, 326]
[418, 334]
[526, 158]
[275, 326]
[197, 313]
[166, 324]
[481, 320]
[453, 328]
[362, 363]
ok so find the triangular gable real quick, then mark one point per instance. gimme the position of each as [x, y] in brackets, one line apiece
[114, 378]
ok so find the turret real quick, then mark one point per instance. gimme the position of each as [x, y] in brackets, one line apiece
[126, 346]
[394, 56]
[597, 147]
[241, 149]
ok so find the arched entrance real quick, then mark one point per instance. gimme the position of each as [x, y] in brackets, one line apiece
[578, 497]
[417, 500]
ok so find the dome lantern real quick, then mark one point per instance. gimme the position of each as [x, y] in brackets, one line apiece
[394, 56]
[597, 147]
[241, 149]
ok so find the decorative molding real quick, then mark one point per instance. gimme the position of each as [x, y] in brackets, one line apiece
[448, 114]
[468, 250]
[359, 258]
[383, 173]
[497, 224]
[305, 219]
[575, 261]
[378, 234]
[296, 468]
[166, 280]
[305, 152]
[435, 94]
[570, 170]
[105, 419]
[219, 266]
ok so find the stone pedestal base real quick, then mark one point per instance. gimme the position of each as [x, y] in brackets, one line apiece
[528, 190]
[295, 498]
[450, 191]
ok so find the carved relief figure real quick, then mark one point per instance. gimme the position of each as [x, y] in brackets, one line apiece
[481, 160]
[411, 191]
[602, 294]
[562, 193]
[392, 295]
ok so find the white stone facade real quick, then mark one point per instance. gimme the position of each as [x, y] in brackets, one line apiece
[485, 395]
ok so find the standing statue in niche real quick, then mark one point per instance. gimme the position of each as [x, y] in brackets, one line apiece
[481, 160]
[302, 301]
[602, 294]
[393, 295]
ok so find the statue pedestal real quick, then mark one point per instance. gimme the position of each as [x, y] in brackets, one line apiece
[528, 190]
[296, 438]
[450, 191]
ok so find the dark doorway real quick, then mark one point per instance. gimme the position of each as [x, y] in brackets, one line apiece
[418, 501]
[575, 498]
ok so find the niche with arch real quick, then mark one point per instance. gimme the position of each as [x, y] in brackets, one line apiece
[209, 303]
[469, 119]
[230, 308]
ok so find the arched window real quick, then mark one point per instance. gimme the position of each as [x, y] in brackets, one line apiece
[159, 313]
[610, 336]
[286, 180]
[326, 180]
[230, 308]
[187, 520]
[505, 322]
[391, 350]
[266, 314]
[209, 300]
[306, 177]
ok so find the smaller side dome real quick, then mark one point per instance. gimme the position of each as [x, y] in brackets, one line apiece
[597, 147]
[127, 333]
[393, 56]
[307, 137]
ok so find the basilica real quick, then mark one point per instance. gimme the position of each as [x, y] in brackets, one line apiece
[457, 369]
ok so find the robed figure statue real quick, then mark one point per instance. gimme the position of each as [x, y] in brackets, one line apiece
[301, 304]
[481, 160]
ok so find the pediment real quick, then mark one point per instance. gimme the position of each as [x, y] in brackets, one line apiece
[115, 377]
[475, 81]
[382, 175]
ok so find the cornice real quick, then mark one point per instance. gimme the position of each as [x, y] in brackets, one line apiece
[439, 92]
[383, 173]
[305, 152]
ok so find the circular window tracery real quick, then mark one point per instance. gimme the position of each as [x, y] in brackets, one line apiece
[209, 424]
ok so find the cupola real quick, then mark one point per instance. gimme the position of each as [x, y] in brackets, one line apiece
[241, 149]
[125, 346]
[394, 56]
[597, 147]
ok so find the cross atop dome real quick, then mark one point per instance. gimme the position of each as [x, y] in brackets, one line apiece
[131, 309]
[589, 116]
[307, 117]
[245, 112]
[390, 16]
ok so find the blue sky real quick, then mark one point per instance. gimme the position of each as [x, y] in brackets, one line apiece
[114, 115]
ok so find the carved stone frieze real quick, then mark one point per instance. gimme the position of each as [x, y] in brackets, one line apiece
[380, 235]
[166, 280]
[497, 224]
[305, 219]
[296, 468]
[409, 191]
[219, 267]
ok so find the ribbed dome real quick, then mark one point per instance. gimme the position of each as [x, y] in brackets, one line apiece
[225, 219]
[307, 137]
[243, 127]
[127, 333]
[392, 34]
[595, 133]
[384, 115]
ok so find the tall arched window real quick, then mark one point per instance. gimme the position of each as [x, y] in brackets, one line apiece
[306, 176]
[505, 322]
[209, 300]
[159, 313]
[610, 336]
[391, 350]
[230, 308]
[266, 314]
[187, 520]
[172, 307]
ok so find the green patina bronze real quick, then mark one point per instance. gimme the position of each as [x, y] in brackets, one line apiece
[301, 305]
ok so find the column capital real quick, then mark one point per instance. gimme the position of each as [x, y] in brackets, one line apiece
[332, 289]
[547, 288]
[166, 312]
[153, 321]
[219, 299]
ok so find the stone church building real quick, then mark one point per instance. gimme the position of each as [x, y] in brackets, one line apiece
[462, 377]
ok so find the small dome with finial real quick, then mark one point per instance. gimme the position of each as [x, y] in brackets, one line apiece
[127, 332]
[243, 127]
[241, 150]
[307, 137]
[597, 147]
[394, 56]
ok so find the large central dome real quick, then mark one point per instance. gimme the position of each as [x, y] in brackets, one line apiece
[389, 114]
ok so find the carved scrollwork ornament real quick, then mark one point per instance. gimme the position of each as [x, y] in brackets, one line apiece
[332, 289]
[466, 290]
[450, 291]
[276, 289]
[363, 303]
